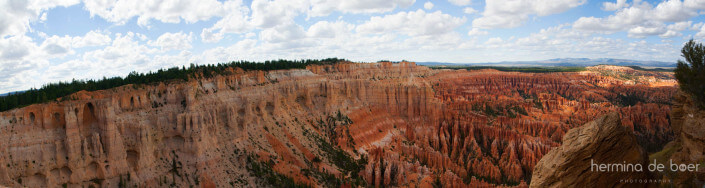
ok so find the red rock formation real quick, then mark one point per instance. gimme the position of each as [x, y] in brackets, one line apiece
[416, 126]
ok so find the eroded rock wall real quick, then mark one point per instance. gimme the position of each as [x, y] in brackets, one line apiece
[415, 126]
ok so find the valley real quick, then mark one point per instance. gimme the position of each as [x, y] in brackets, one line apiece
[333, 125]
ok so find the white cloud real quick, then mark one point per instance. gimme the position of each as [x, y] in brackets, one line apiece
[264, 14]
[609, 6]
[19, 58]
[125, 54]
[674, 30]
[235, 21]
[673, 11]
[680, 26]
[443, 42]
[18, 14]
[701, 32]
[694, 4]
[494, 41]
[208, 36]
[460, 2]
[563, 41]
[268, 14]
[476, 32]
[642, 31]
[670, 34]
[428, 5]
[121, 11]
[513, 13]
[325, 7]
[641, 19]
[56, 45]
[412, 23]
[16, 47]
[173, 41]
[283, 33]
[325, 29]
[92, 38]
[469, 10]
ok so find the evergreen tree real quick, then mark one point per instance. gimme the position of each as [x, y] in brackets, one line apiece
[691, 73]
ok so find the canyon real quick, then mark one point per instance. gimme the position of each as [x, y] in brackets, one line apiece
[347, 124]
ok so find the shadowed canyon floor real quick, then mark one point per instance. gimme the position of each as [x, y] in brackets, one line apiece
[394, 124]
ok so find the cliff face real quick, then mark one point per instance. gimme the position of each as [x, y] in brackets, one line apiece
[602, 141]
[414, 126]
[689, 145]
[197, 132]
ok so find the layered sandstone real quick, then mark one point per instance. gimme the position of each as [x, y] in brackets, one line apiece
[415, 126]
[602, 141]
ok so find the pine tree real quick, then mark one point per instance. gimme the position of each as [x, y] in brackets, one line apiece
[691, 73]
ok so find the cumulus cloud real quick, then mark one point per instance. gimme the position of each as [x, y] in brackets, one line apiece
[19, 56]
[563, 41]
[283, 33]
[173, 41]
[56, 45]
[609, 6]
[412, 23]
[268, 14]
[428, 5]
[460, 2]
[513, 13]
[235, 20]
[208, 36]
[16, 47]
[325, 7]
[644, 31]
[92, 38]
[121, 11]
[701, 32]
[494, 41]
[125, 54]
[641, 19]
[325, 29]
[18, 14]
[476, 32]
[469, 10]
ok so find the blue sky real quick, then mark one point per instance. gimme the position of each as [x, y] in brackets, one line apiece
[47, 41]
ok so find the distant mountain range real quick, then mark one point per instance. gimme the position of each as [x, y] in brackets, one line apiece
[567, 62]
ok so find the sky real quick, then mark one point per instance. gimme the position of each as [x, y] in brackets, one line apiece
[43, 41]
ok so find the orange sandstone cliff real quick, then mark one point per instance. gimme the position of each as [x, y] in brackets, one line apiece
[348, 124]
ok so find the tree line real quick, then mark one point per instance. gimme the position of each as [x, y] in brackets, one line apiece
[53, 91]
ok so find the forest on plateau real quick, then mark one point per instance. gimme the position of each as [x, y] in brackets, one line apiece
[58, 90]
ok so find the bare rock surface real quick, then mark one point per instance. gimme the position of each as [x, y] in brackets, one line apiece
[603, 141]
[688, 123]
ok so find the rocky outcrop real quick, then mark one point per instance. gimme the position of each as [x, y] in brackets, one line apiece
[602, 141]
[689, 146]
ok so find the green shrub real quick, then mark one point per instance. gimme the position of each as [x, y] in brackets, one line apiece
[691, 73]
